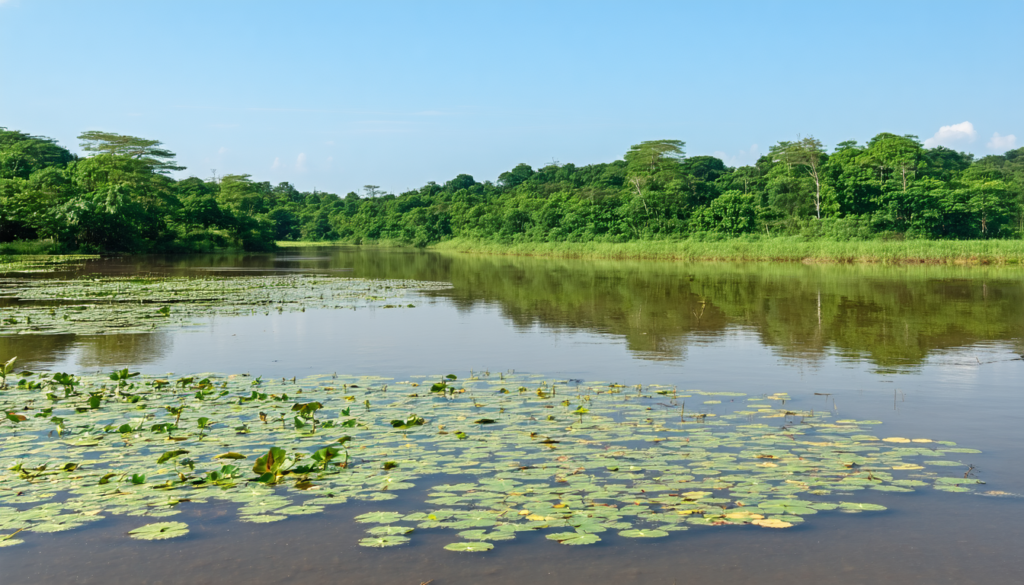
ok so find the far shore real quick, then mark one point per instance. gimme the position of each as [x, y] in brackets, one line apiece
[783, 249]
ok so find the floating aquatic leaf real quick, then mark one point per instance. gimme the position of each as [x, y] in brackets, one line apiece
[574, 538]
[261, 518]
[638, 533]
[379, 517]
[159, 531]
[469, 546]
[230, 455]
[383, 541]
[860, 507]
[772, 523]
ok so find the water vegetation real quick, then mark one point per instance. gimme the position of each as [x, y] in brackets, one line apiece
[111, 304]
[22, 263]
[503, 453]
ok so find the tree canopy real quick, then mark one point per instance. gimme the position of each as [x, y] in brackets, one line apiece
[121, 198]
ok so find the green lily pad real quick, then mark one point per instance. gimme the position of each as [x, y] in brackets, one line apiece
[637, 533]
[574, 538]
[159, 531]
[383, 541]
[469, 546]
[379, 517]
[850, 506]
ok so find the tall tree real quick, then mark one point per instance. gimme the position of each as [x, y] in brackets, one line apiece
[809, 153]
[901, 155]
[148, 151]
[646, 159]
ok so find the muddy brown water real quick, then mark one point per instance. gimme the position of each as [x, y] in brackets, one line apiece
[930, 351]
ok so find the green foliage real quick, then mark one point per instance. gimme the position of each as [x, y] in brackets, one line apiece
[120, 198]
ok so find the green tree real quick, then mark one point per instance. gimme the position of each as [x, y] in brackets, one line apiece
[160, 160]
[808, 153]
[22, 154]
[645, 160]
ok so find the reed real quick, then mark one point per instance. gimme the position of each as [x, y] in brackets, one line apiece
[780, 249]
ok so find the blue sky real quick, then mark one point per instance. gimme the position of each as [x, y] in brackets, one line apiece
[336, 95]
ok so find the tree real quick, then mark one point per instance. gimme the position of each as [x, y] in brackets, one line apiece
[516, 176]
[808, 153]
[705, 168]
[645, 160]
[241, 195]
[898, 154]
[732, 213]
[22, 154]
[160, 160]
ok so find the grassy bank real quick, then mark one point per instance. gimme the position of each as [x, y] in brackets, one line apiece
[999, 252]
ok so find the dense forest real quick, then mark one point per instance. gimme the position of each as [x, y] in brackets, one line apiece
[120, 197]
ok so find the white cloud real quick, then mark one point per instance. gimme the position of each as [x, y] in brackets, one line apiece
[277, 163]
[222, 150]
[745, 157]
[1002, 143]
[300, 162]
[952, 135]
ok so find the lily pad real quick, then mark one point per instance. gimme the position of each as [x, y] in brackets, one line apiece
[574, 538]
[638, 533]
[469, 546]
[159, 531]
[383, 541]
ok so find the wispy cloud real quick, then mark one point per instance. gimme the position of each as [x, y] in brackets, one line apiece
[1001, 143]
[300, 161]
[222, 150]
[277, 163]
[952, 135]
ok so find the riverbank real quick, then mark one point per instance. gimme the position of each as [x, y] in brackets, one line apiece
[972, 252]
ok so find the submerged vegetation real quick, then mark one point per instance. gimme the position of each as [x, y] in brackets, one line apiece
[504, 453]
[122, 199]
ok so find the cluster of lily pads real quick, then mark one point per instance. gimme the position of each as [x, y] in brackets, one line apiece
[42, 262]
[488, 456]
[89, 306]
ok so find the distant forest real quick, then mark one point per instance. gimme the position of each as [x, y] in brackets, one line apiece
[120, 198]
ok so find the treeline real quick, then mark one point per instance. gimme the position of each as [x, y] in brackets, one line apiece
[120, 198]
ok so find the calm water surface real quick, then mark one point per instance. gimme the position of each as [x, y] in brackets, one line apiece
[932, 352]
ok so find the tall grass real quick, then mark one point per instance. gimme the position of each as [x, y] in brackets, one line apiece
[22, 247]
[781, 249]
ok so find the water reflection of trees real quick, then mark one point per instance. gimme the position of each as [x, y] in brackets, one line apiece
[892, 316]
[91, 351]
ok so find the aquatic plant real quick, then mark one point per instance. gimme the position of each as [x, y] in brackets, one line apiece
[104, 305]
[574, 459]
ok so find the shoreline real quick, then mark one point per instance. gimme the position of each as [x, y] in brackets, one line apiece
[783, 249]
